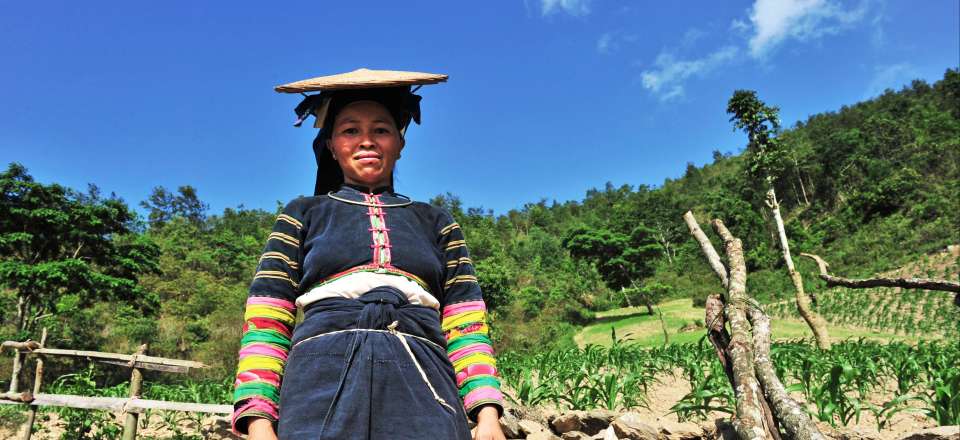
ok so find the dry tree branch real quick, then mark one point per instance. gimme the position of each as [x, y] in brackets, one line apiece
[708, 251]
[907, 283]
[786, 412]
[790, 414]
[749, 423]
[741, 347]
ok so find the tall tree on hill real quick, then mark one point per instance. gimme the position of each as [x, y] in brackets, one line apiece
[62, 251]
[766, 157]
[165, 205]
[620, 259]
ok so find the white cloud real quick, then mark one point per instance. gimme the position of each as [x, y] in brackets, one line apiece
[691, 36]
[771, 24]
[572, 7]
[775, 21]
[610, 42]
[890, 77]
[739, 26]
[667, 78]
[604, 43]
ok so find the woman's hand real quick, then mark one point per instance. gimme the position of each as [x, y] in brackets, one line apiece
[260, 429]
[488, 425]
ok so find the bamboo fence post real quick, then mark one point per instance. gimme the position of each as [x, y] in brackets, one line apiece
[15, 376]
[37, 381]
[136, 382]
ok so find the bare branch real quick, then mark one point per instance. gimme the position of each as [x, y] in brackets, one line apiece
[788, 412]
[77, 252]
[745, 354]
[750, 422]
[906, 283]
[708, 251]
[816, 323]
[717, 331]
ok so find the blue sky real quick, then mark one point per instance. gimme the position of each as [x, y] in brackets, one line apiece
[546, 98]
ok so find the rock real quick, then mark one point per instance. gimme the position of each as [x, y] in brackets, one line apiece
[681, 431]
[938, 433]
[607, 434]
[631, 426]
[510, 425]
[724, 430]
[589, 422]
[542, 435]
[528, 427]
[575, 435]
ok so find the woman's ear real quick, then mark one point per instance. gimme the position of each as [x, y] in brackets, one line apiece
[330, 147]
[403, 143]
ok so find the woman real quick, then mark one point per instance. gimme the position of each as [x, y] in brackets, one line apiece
[393, 343]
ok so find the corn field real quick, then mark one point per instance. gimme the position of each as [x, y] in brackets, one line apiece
[901, 311]
[836, 384]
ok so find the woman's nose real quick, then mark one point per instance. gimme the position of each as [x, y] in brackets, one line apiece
[366, 140]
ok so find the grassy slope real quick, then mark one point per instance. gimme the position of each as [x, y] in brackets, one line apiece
[646, 330]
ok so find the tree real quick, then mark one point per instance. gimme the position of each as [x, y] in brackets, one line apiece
[622, 260]
[62, 251]
[164, 206]
[766, 157]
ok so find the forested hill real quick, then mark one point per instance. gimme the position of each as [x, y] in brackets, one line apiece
[868, 187]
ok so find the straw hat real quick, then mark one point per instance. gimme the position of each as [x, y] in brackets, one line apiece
[391, 88]
[361, 79]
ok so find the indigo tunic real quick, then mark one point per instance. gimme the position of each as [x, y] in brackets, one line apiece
[375, 366]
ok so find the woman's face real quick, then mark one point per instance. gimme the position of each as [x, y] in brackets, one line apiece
[366, 143]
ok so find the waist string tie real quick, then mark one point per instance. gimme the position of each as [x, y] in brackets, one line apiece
[393, 330]
[385, 310]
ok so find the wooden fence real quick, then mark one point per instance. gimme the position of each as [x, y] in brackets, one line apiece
[131, 406]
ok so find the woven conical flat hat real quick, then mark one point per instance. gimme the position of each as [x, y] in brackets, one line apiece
[361, 79]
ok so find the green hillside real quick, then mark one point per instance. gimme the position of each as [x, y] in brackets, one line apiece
[869, 187]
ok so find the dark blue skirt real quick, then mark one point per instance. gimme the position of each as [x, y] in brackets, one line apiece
[364, 385]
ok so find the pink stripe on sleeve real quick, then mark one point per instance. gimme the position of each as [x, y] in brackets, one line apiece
[255, 405]
[475, 370]
[263, 350]
[266, 300]
[466, 306]
[253, 377]
[483, 393]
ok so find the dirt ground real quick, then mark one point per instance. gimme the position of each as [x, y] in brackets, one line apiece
[667, 392]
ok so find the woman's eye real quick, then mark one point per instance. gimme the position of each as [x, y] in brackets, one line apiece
[350, 130]
[382, 130]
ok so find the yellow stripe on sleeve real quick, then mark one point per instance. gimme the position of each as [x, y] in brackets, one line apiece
[264, 311]
[292, 221]
[260, 363]
[463, 318]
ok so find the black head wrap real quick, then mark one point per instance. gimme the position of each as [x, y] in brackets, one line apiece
[402, 104]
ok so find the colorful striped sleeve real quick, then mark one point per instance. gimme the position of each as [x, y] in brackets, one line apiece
[268, 323]
[464, 326]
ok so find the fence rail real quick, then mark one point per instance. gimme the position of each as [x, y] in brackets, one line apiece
[132, 406]
[117, 404]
